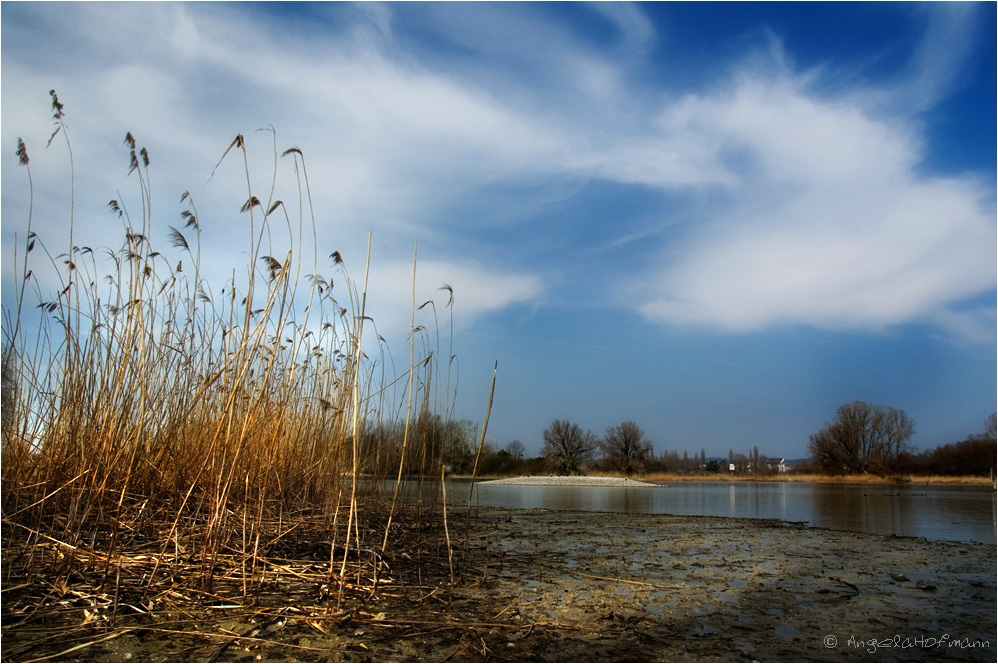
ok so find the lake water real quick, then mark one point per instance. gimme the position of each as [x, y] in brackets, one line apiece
[959, 513]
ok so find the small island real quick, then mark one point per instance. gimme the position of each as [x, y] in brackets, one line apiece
[568, 480]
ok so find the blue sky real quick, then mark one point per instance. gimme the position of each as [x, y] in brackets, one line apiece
[719, 222]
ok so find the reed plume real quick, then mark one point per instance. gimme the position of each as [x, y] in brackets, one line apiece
[149, 410]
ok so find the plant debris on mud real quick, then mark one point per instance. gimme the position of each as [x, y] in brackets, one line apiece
[532, 586]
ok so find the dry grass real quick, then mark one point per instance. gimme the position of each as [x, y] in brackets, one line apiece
[161, 432]
[894, 479]
[812, 478]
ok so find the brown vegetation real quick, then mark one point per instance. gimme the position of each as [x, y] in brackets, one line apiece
[626, 447]
[863, 438]
[813, 478]
[567, 448]
[167, 440]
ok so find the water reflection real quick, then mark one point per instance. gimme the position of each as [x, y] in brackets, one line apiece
[959, 514]
[949, 513]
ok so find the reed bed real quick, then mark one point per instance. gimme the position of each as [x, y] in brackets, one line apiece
[168, 441]
[970, 480]
[809, 478]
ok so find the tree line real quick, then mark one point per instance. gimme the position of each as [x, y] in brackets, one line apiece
[568, 449]
[862, 438]
[871, 439]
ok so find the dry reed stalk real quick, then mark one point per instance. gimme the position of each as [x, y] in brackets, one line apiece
[356, 423]
[408, 411]
[170, 437]
[450, 551]
[481, 444]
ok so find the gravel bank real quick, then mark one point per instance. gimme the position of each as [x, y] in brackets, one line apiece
[565, 480]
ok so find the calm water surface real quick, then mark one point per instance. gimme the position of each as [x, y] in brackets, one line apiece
[943, 513]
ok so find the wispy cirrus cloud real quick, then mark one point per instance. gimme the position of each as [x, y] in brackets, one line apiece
[936, 68]
[385, 140]
[810, 207]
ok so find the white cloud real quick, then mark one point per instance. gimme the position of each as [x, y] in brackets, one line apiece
[833, 227]
[386, 141]
[476, 288]
[936, 68]
[636, 31]
[814, 209]
[975, 325]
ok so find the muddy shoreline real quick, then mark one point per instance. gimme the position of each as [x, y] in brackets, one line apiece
[536, 585]
[720, 589]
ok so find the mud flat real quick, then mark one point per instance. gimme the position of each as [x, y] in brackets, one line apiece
[537, 585]
[638, 587]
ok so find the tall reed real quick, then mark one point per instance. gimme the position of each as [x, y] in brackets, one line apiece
[147, 407]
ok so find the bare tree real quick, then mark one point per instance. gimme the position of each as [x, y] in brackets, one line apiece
[627, 446]
[568, 448]
[975, 455]
[515, 449]
[863, 438]
[991, 426]
[667, 461]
